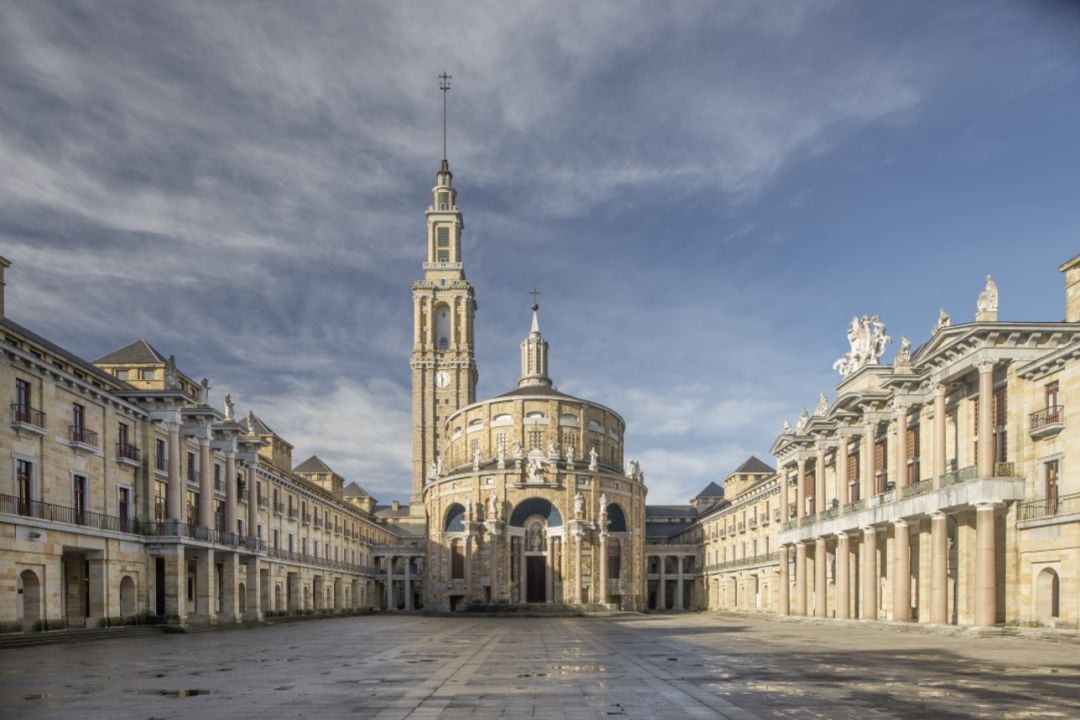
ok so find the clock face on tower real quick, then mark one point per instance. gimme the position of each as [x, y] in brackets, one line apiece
[442, 378]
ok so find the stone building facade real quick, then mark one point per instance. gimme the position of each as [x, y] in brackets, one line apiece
[123, 493]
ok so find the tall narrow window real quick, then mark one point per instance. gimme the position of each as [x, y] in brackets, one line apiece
[78, 498]
[913, 454]
[192, 469]
[124, 507]
[444, 201]
[78, 419]
[457, 560]
[24, 472]
[122, 439]
[217, 477]
[161, 455]
[1000, 418]
[1051, 400]
[160, 491]
[1051, 470]
[22, 401]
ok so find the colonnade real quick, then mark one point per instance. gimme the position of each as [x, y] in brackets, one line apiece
[928, 576]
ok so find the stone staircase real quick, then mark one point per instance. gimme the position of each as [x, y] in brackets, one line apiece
[74, 635]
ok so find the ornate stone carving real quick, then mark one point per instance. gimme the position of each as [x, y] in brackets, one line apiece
[868, 340]
[229, 407]
[500, 455]
[553, 450]
[536, 538]
[903, 355]
[593, 459]
[633, 469]
[988, 298]
[493, 506]
[786, 429]
[603, 504]
[822, 407]
[943, 320]
[477, 457]
[579, 505]
[570, 453]
[804, 419]
[533, 470]
[518, 452]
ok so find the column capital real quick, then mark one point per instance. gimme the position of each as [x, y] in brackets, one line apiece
[842, 536]
[940, 389]
[939, 515]
[869, 530]
[900, 523]
[985, 365]
[988, 506]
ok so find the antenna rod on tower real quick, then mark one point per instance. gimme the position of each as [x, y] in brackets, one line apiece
[444, 85]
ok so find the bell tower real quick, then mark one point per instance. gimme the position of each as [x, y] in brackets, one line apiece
[443, 360]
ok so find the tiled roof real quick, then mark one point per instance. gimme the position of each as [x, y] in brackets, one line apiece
[58, 351]
[670, 511]
[354, 490]
[313, 464]
[753, 465]
[139, 351]
[711, 490]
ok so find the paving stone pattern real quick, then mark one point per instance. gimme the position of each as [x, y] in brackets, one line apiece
[661, 666]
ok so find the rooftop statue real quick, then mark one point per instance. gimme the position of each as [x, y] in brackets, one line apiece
[822, 408]
[988, 298]
[229, 407]
[903, 355]
[804, 418]
[868, 340]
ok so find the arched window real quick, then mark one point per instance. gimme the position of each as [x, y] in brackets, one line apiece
[455, 519]
[616, 519]
[442, 327]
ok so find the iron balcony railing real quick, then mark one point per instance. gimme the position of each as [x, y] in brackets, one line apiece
[83, 436]
[1050, 506]
[1047, 416]
[279, 508]
[27, 415]
[192, 476]
[127, 451]
[264, 504]
[161, 462]
[13, 505]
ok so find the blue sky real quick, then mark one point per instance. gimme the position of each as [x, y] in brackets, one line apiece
[705, 193]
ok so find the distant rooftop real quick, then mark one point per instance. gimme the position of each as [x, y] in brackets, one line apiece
[754, 465]
[138, 352]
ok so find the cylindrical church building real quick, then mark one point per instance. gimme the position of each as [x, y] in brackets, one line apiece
[528, 500]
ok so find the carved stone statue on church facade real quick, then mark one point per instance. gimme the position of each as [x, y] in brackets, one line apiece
[229, 408]
[804, 419]
[172, 377]
[868, 339]
[822, 407]
[593, 459]
[903, 355]
[493, 506]
[988, 298]
[579, 505]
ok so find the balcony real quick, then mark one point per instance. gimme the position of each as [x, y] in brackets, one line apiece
[1051, 506]
[307, 518]
[442, 266]
[1047, 422]
[292, 513]
[264, 504]
[161, 464]
[279, 508]
[12, 505]
[24, 417]
[82, 439]
[192, 476]
[127, 454]
[752, 523]
[318, 523]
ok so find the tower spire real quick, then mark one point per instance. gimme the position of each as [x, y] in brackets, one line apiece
[444, 85]
[534, 352]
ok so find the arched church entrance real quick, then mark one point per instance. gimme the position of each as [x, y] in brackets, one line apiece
[536, 527]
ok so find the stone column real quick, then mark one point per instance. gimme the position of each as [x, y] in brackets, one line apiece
[601, 581]
[985, 458]
[901, 567]
[800, 578]
[819, 481]
[985, 561]
[939, 434]
[866, 474]
[206, 483]
[549, 575]
[800, 490]
[205, 590]
[252, 610]
[661, 593]
[820, 587]
[252, 501]
[843, 579]
[391, 604]
[408, 584]
[522, 587]
[493, 575]
[174, 497]
[939, 568]
[176, 584]
[230, 578]
[577, 567]
[841, 472]
[783, 583]
[901, 465]
[785, 499]
[679, 604]
[230, 490]
[869, 575]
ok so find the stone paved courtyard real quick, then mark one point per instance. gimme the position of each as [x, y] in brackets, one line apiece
[668, 666]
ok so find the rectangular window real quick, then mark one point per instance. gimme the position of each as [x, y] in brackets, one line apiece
[147, 374]
[536, 439]
[444, 201]
[192, 468]
[217, 477]
[78, 498]
[444, 256]
[1051, 400]
[442, 233]
[160, 492]
[22, 401]
[24, 472]
[122, 374]
[78, 420]
[122, 439]
[277, 539]
[161, 456]
[1001, 451]
[1050, 468]
[290, 542]
[124, 507]
[192, 508]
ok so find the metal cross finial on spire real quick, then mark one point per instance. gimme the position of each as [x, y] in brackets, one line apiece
[444, 85]
[535, 294]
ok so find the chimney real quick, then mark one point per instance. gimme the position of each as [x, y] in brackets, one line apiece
[1072, 289]
[4, 265]
[395, 505]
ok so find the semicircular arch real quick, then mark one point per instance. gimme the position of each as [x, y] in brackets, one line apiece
[536, 506]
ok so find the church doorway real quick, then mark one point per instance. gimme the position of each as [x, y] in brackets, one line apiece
[536, 579]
